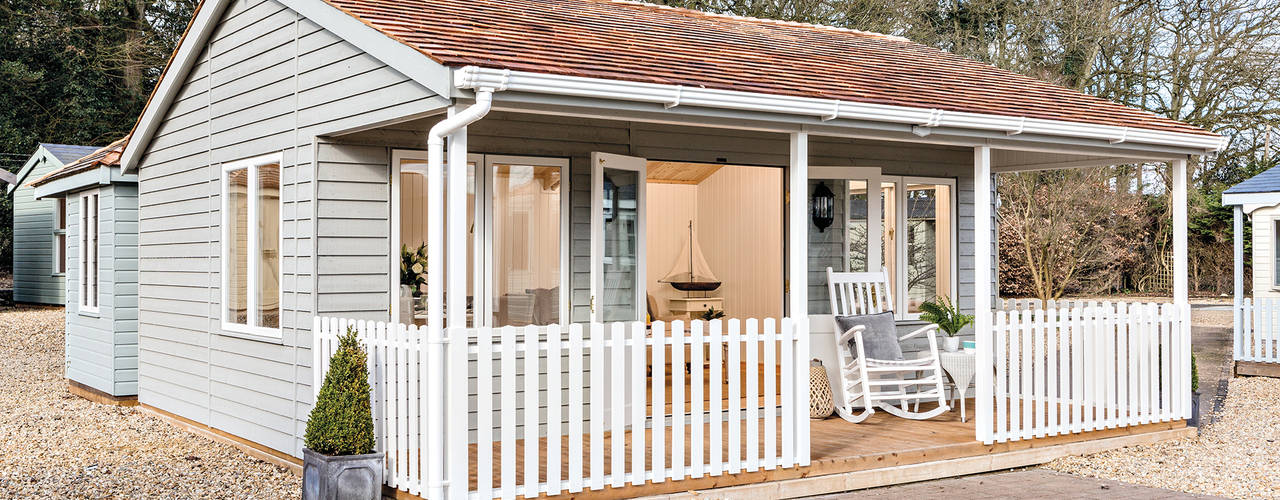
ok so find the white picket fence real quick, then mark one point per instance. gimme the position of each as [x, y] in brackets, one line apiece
[1086, 367]
[561, 409]
[1256, 338]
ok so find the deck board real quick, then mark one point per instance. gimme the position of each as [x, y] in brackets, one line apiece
[881, 442]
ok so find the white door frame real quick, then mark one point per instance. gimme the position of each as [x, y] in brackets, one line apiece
[618, 162]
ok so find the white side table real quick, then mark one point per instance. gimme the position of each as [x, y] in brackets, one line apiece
[960, 366]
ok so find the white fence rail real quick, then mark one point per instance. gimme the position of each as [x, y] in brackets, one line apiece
[1256, 337]
[505, 412]
[1086, 367]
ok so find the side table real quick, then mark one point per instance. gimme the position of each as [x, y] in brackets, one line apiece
[960, 366]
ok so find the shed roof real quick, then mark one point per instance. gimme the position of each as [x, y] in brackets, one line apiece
[1266, 182]
[108, 155]
[623, 40]
[67, 153]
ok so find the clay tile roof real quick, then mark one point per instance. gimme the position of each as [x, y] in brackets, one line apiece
[623, 40]
[108, 155]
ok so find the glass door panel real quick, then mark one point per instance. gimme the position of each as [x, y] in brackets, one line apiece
[889, 233]
[617, 268]
[526, 232]
[857, 225]
[929, 246]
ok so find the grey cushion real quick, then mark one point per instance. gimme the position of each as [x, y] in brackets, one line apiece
[879, 340]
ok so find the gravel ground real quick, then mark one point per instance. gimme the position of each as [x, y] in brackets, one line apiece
[59, 445]
[1235, 457]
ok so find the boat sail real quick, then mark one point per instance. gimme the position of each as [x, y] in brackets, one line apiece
[691, 272]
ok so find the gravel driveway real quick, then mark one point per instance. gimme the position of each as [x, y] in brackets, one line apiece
[58, 445]
[1237, 455]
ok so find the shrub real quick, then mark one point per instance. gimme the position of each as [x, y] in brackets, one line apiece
[342, 421]
[1195, 374]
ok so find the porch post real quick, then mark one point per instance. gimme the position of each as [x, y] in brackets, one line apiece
[982, 274]
[798, 276]
[1179, 174]
[456, 237]
[1237, 294]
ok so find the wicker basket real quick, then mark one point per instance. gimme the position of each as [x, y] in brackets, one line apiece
[821, 404]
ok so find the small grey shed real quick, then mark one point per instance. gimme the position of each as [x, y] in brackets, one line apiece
[101, 263]
[39, 228]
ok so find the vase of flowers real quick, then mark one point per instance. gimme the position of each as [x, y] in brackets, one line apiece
[413, 268]
[947, 316]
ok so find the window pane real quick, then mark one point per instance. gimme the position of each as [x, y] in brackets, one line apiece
[413, 228]
[889, 235]
[857, 222]
[621, 233]
[60, 214]
[237, 249]
[93, 251]
[60, 264]
[268, 279]
[929, 219]
[526, 244]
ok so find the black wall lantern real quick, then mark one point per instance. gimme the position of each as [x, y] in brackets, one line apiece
[822, 207]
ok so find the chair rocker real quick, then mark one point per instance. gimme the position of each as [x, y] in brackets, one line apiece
[880, 383]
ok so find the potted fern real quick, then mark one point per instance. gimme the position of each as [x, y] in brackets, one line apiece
[338, 457]
[949, 319]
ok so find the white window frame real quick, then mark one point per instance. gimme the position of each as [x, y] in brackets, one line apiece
[88, 257]
[1275, 253]
[482, 272]
[251, 329]
[875, 178]
[59, 254]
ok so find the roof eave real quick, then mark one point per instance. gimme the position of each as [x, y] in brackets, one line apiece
[923, 120]
[101, 176]
[399, 56]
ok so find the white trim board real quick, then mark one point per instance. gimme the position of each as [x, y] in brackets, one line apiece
[403, 58]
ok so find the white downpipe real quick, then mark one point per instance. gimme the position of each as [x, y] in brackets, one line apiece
[435, 265]
[473, 77]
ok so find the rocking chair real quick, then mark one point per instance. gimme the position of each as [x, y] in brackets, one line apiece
[863, 311]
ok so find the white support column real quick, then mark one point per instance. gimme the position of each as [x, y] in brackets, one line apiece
[798, 275]
[982, 274]
[1179, 175]
[456, 237]
[1237, 294]
[798, 227]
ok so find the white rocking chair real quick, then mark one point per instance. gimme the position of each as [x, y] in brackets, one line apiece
[880, 382]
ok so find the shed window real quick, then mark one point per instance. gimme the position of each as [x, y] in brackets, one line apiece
[251, 246]
[88, 257]
[59, 264]
[1275, 251]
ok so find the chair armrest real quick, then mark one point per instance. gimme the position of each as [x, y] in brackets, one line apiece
[930, 329]
[851, 333]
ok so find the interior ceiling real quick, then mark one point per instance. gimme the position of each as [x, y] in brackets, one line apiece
[677, 172]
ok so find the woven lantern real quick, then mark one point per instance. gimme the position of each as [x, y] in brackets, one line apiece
[821, 404]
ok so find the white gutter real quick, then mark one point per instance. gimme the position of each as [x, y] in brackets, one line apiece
[473, 77]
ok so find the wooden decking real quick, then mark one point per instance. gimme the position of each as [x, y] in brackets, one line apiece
[881, 443]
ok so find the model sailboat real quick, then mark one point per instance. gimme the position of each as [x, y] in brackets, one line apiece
[691, 272]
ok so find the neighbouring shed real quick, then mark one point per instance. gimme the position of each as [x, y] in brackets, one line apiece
[39, 228]
[101, 262]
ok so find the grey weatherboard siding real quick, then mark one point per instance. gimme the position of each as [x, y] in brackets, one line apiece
[33, 278]
[102, 346]
[266, 81]
[269, 81]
